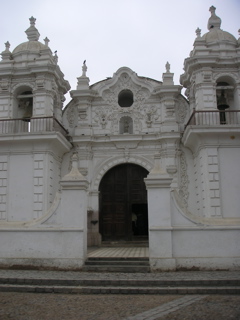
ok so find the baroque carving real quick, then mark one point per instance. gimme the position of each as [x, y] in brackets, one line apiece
[71, 116]
[183, 189]
[181, 112]
[4, 84]
[101, 116]
[109, 116]
[151, 115]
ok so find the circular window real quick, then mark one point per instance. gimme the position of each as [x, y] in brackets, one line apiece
[125, 98]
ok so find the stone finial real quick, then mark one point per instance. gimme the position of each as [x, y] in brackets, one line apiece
[84, 69]
[74, 174]
[168, 76]
[167, 66]
[32, 31]
[32, 21]
[214, 21]
[46, 40]
[198, 32]
[83, 81]
[6, 54]
[7, 45]
[55, 57]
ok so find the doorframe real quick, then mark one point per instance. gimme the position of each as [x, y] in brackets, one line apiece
[128, 225]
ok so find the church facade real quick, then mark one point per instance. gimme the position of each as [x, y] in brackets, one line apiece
[129, 158]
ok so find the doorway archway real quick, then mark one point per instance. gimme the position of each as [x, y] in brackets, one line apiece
[123, 204]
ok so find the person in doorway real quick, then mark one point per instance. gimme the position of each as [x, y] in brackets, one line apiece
[134, 223]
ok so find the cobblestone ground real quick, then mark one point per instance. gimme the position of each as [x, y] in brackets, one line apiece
[38, 306]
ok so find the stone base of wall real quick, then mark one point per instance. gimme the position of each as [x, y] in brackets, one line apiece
[94, 239]
[194, 264]
[42, 264]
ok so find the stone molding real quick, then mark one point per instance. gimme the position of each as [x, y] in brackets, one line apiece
[157, 181]
[107, 165]
[202, 221]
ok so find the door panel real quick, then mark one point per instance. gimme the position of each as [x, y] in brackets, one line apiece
[121, 188]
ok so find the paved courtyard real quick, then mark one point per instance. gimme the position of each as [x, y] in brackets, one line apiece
[38, 306]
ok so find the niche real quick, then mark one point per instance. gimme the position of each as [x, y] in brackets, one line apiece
[126, 125]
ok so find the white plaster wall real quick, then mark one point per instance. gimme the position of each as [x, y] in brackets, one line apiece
[209, 243]
[56, 248]
[20, 187]
[192, 186]
[230, 181]
[196, 249]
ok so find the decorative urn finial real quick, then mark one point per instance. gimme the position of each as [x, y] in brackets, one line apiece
[214, 21]
[198, 32]
[46, 40]
[32, 31]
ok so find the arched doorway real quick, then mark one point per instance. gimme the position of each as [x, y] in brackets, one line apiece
[123, 204]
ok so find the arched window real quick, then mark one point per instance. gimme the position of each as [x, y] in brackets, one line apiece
[125, 98]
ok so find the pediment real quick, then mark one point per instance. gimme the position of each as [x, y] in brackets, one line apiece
[126, 79]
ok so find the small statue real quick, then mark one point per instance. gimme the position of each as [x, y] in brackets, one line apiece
[167, 67]
[126, 126]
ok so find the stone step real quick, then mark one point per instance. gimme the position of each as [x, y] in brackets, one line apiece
[115, 262]
[121, 282]
[118, 259]
[119, 264]
[119, 290]
[117, 268]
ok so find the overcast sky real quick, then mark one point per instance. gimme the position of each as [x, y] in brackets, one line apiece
[140, 34]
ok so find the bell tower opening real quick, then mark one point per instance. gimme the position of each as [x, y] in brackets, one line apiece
[123, 204]
[25, 105]
[225, 100]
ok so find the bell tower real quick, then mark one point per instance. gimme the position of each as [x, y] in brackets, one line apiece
[212, 80]
[32, 137]
[212, 69]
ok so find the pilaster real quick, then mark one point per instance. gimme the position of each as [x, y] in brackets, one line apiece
[158, 185]
[74, 204]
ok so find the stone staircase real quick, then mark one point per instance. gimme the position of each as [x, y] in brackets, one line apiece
[106, 284]
[115, 264]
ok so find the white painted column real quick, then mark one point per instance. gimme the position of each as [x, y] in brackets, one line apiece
[159, 219]
[74, 208]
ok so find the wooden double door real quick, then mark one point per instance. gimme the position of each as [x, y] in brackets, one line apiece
[123, 203]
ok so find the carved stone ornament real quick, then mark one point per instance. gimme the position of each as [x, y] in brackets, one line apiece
[101, 116]
[82, 113]
[70, 116]
[181, 112]
[170, 108]
[113, 112]
[40, 83]
[183, 189]
[151, 115]
[4, 85]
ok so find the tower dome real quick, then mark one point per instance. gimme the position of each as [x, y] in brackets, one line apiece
[215, 34]
[32, 47]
